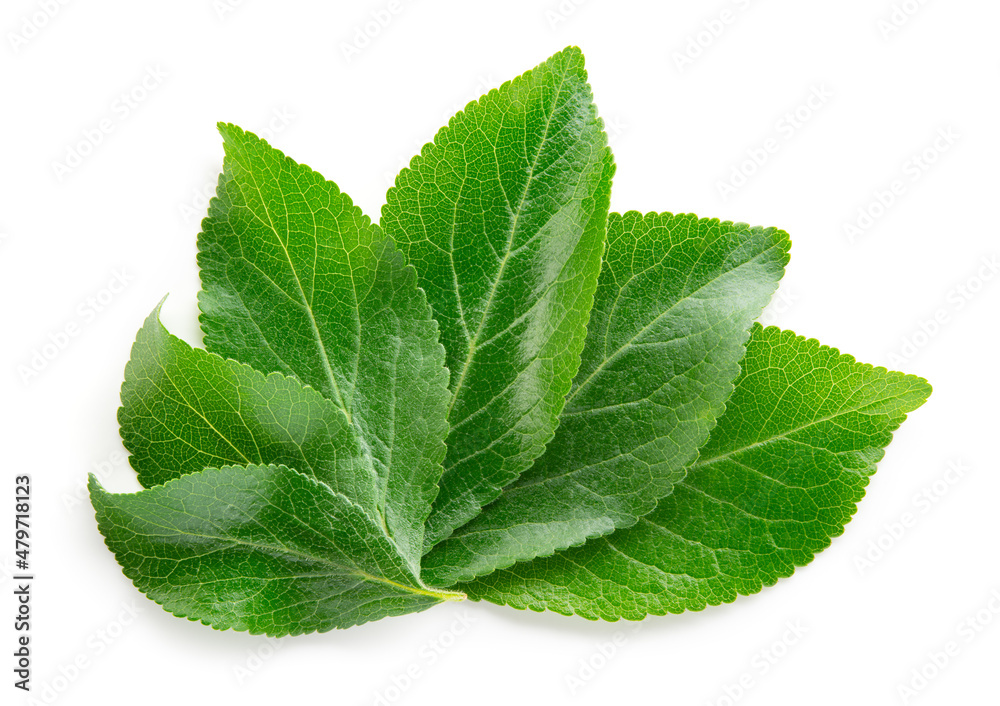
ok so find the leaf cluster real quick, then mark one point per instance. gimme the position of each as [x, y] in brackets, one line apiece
[500, 391]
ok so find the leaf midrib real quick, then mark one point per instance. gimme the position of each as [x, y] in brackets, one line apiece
[785, 434]
[510, 244]
[608, 359]
[355, 570]
[307, 305]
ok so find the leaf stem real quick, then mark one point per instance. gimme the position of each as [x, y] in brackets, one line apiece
[438, 593]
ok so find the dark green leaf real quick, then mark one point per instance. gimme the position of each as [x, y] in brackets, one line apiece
[503, 216]
[296, 279]
[259, 548]
[780, 476]
[671, 315]
[184, 409]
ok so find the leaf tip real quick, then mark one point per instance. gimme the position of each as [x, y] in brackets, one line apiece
[94, 486]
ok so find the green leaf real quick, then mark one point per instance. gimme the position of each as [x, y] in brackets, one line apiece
[503, 215]
[184, 409]
[780, 476]
[259, 548]
[297, 280]
[674, 303]
[605, 454]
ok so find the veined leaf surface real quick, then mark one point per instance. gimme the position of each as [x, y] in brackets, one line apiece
[503, 215]
[296, 279]
[780, 477]
[671, 317]
[185, 409]
[259, 548]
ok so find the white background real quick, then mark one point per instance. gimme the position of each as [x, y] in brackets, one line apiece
[132, 205]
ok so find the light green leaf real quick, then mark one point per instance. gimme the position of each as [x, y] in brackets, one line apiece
[780, 476]
[674, 303]
[184, 409]
[259, 548]
[503, 216]
[296, 279]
